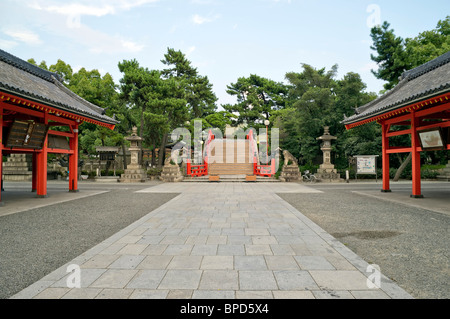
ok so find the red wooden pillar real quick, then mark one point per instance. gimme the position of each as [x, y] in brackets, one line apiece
[415, 144]
[73, 161]
[34, 173]
[385, 145]
[1, 154]
[41, 167]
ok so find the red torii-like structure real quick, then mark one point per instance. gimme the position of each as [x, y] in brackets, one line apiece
[33, 102]
[420, 103]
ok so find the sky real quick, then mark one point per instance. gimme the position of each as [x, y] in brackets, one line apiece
[224, 39]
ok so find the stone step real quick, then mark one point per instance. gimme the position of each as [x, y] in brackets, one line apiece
[239, 178]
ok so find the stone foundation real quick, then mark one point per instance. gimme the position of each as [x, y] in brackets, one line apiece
[171, 174]
[18, 168]
[290, 173]
[133, 175]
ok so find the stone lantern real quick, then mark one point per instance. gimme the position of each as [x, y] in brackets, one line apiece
[134, 172]
[327, 170]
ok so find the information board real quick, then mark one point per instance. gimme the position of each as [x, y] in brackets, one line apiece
[366, 165]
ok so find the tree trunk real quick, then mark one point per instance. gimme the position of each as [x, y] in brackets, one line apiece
[402, 167]
[162, 151]
[124, 157]
[153, 156]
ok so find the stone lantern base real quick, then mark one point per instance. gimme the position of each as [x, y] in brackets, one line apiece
[327, 173]
[133, 174]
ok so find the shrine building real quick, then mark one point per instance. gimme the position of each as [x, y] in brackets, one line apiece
[419, 107]
[33, 102]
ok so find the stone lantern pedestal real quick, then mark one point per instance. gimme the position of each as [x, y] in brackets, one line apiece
[134, 172]
[327, 172]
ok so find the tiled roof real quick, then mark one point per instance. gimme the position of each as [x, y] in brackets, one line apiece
[28, 81]
[426, 81]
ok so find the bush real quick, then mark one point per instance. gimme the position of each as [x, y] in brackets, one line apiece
[154, 172]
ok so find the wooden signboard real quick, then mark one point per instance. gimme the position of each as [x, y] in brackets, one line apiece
[27, 134]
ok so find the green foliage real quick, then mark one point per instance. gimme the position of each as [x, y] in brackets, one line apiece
[197, 90]
[396, 55]
[257, 99]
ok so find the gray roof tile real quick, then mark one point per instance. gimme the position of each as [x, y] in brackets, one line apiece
[428, 80]
[23, 79]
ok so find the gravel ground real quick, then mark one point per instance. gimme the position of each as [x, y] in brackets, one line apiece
[34, 243]
[411, 245]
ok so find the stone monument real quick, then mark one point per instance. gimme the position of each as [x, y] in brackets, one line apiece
[171, 172]
[327, 172]
[290, 171]
[17, 168]
[134, 172]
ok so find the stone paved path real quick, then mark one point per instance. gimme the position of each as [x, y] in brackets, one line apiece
[224, 240]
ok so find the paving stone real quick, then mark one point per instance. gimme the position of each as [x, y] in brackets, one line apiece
[281, 263]
[87, 277]
[258, 250]
[257, 280]
[114, 278]
[217, 262]
[127, 262]
[82, 293]
[295, 280]
[231, 250]
[261, 240]
[369, 294]
[155, 262]
[256, 232]
[253, 295]
[181, 279]
[239, 240]
[132, 249]
[149, 294]
[174, 250]
[179, 294]
[282, 250]
[204, 250]
[154, 250]
[213, 294]
[185, 262]
[280, 294]
[52, 293]
[249, 263]
[114, 294]
[313, 262]
[100, 261]
[219, 280]
[147, 279]
[331, 294]
[217, 239]
[339, 279]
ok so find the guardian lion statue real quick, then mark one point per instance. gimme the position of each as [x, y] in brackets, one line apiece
[289, 157]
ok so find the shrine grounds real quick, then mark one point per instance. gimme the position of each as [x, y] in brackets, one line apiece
[407, 238]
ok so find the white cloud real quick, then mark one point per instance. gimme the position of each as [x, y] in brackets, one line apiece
[97, 8]
[197, 19]
[23, 35]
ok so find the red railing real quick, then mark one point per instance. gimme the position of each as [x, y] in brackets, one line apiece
[201, 169]
[258, 169]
